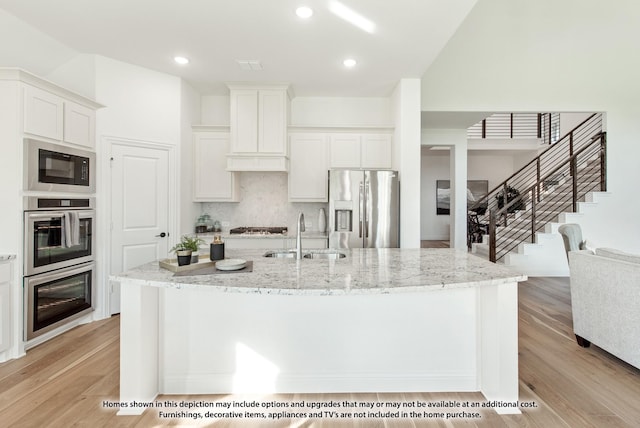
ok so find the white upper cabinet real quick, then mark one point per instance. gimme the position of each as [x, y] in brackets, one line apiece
[79, 124]
[272, 121]
[308, 170]
[345, 150]
[376, 151]
[43, 113]
[52, 116]
[361, 151]
[259, 119]
[211, 181]
[244, 121]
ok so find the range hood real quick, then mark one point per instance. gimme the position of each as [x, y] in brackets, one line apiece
[257, 162]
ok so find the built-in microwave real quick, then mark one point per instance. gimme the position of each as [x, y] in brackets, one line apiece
[57, 168]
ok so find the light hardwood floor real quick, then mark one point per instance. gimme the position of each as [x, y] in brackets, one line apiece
[64, 382]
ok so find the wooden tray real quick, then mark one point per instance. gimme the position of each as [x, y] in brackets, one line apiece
[172, 264]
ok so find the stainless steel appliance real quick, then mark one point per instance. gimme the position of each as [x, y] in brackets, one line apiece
[57, 297]
[254, 230]
[58, 233]
[57, 168]
[364, 209]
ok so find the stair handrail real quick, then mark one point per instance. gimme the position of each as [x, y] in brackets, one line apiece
[595, 139]
[502, 212]
[478, 203]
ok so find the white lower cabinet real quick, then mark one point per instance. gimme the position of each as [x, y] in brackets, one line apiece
[309, 166]
[5, 305]
[211, 180]
[254, 243]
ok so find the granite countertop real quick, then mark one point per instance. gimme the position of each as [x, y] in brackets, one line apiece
[7, 257]
[363, 271]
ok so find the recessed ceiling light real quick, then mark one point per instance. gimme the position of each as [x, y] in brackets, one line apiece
[181, 60]
[349, 62]
[304, 12]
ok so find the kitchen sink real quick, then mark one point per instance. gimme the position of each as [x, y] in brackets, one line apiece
[285, 254]
[317, 254]
[331, 255]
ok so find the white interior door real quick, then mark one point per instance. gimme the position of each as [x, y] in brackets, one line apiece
[139, 209]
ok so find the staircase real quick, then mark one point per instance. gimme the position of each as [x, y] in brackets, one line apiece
[520, 230]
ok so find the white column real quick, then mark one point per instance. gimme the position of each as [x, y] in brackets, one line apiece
[456, 140]
[458, 177]
[406, 100]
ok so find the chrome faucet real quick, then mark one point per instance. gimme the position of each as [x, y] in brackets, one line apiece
[299, 236]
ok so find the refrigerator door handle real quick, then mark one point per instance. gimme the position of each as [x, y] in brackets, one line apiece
[361, 211]
[366, 214]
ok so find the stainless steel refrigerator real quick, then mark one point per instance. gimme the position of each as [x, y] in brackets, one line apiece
[364, 209]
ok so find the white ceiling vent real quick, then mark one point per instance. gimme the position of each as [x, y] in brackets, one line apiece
[249, 64]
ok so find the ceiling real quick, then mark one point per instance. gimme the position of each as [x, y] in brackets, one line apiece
[407, 36]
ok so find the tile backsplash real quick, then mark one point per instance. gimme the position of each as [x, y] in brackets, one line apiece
[264, 202]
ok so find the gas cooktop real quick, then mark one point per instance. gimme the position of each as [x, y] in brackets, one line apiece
[252, 230]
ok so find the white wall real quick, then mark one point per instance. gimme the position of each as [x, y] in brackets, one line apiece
[190, 113]
[141, 104]
[435, 166]
[568, 121]
[27, 47]
[341, 111]
[313, 111]
[215, 110]
[581, 56]
[77, 74]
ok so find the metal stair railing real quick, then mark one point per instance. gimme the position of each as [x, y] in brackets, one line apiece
[540, 174]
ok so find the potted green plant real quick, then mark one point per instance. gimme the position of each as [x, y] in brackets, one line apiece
[192, 243]
[187, 250]
[512, 194]
[182, 254]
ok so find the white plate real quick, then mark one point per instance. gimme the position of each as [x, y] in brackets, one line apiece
[231, 264]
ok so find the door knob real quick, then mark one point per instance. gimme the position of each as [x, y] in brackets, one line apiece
[162, 235]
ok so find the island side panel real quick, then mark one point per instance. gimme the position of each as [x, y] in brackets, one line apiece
[220, 342]
[498, 345]
[138, 346]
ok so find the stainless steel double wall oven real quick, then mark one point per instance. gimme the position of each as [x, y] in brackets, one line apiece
[59, 239]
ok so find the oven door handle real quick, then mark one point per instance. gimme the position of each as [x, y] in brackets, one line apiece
[51, 214]
[47, 214]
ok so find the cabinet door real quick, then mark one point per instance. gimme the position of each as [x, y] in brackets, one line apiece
[244, 121]
[212, 182]
[272, 121]
[5, 306]
[376, 151]
[308, 168]
[254, 243]
[43, 113]
[344, 151]
[79, 124]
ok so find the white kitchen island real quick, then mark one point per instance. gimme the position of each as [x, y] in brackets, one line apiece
[379, 320]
